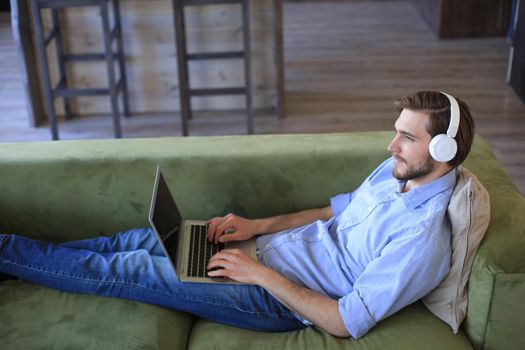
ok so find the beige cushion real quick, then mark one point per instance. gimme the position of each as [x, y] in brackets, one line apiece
[469, 214]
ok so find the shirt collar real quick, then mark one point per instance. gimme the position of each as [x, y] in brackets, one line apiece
[417, 196]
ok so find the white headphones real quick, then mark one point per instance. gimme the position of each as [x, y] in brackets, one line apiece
[443, 147]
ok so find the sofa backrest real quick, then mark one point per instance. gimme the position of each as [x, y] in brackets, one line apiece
[76, 189]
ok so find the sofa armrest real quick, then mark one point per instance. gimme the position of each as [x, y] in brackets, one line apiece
[497, 282]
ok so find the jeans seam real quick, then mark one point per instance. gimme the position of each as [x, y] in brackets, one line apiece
[83, 278]
[134, 284]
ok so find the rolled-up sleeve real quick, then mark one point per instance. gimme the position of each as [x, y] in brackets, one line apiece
[405, 271]
[355, 315]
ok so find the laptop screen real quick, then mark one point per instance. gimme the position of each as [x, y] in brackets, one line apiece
[164, 215]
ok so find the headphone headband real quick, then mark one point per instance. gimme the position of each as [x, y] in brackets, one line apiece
[454, 116]
[443, 147]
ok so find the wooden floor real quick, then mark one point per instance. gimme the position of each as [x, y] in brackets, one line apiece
[345, 63]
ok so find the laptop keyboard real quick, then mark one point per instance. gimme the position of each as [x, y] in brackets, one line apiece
[201, 250]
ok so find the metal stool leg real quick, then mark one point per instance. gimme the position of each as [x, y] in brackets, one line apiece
[121, 59]
[61, 62]
[182, 65]
[247, 64]
[44, 68]
[110, 67]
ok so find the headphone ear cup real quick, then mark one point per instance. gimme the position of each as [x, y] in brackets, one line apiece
[442, 148]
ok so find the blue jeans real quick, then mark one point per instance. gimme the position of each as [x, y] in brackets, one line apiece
[131, 265]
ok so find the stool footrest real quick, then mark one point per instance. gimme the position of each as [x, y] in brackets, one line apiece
[218, 91]
[43, 4]
[87, 57]
[71, 92]
[210, 2]
[61, 91]
[215, 55]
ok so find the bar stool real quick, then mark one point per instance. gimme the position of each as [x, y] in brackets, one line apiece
[62, 89]
[185, 91]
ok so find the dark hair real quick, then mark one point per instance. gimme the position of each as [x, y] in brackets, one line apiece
[437, 107]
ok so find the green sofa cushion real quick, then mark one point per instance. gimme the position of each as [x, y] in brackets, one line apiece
[35, 317]
[411, 328]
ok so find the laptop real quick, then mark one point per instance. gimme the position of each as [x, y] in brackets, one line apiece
[184, 241]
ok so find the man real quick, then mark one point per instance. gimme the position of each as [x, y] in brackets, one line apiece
[342, 268]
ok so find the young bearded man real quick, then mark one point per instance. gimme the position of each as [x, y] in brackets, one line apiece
[342, 268]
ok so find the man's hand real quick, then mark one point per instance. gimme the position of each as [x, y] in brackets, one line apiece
[235, 228]
[232, 228]
[236, 265]
[319, 309]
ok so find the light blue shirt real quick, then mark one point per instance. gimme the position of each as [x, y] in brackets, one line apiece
[382, 250]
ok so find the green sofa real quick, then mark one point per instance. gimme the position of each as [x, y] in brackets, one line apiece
[69, 190]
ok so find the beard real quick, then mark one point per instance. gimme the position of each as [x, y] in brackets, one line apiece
[413, 172]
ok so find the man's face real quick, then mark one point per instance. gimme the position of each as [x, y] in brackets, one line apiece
[410, 146]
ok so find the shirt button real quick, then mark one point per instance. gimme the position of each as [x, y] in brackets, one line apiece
[268, 246]
[319, 236]
[293, 236]
[369, 208]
